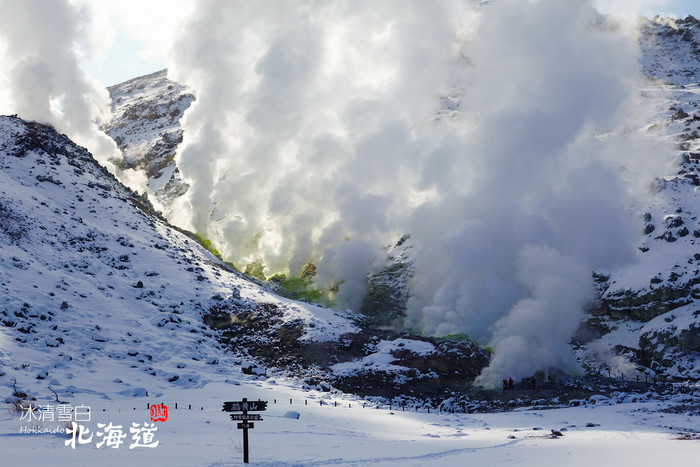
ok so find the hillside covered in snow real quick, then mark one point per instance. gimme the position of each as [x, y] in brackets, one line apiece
[92, 275]
[649, 313]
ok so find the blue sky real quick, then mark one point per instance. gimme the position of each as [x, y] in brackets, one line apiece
[686, 7]
[650, 8]
[123, 60]
[679, 8]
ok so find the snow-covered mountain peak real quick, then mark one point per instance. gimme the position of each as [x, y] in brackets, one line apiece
[145, 124]
[671, 49]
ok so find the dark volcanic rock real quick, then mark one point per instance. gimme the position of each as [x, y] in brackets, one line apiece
[259, 329]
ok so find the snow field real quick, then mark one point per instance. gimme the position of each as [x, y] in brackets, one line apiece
[626, 434]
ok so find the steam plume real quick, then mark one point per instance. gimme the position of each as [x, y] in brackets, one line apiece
[318, 134]
[307, 135]
[40, 52]
[323, 129]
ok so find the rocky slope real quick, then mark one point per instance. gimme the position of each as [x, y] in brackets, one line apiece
[91, 277]
[145, 124]
[648, 315]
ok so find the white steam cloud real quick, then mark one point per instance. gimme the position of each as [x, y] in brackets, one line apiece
[495, 135]
[41, 44]
[318, 134]
[548, 199]
[310, 126]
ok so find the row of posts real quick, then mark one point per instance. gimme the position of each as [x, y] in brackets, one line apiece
[306, 402]
[364, 405]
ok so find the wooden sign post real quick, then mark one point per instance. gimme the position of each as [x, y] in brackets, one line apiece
[245, 418]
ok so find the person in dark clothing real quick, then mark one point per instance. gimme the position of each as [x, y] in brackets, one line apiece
[505, 385]
[510, 383]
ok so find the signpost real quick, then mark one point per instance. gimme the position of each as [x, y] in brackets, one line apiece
[245, 418]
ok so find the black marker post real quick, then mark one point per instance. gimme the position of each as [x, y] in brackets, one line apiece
[245, 419]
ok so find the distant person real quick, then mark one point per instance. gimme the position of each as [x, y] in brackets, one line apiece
[510, 383]
[505, 385]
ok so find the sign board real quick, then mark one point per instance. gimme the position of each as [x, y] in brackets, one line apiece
[246, 416]
[245, 424]
[244, 405]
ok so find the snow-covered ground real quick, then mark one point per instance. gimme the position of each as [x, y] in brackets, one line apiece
[348, 434]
